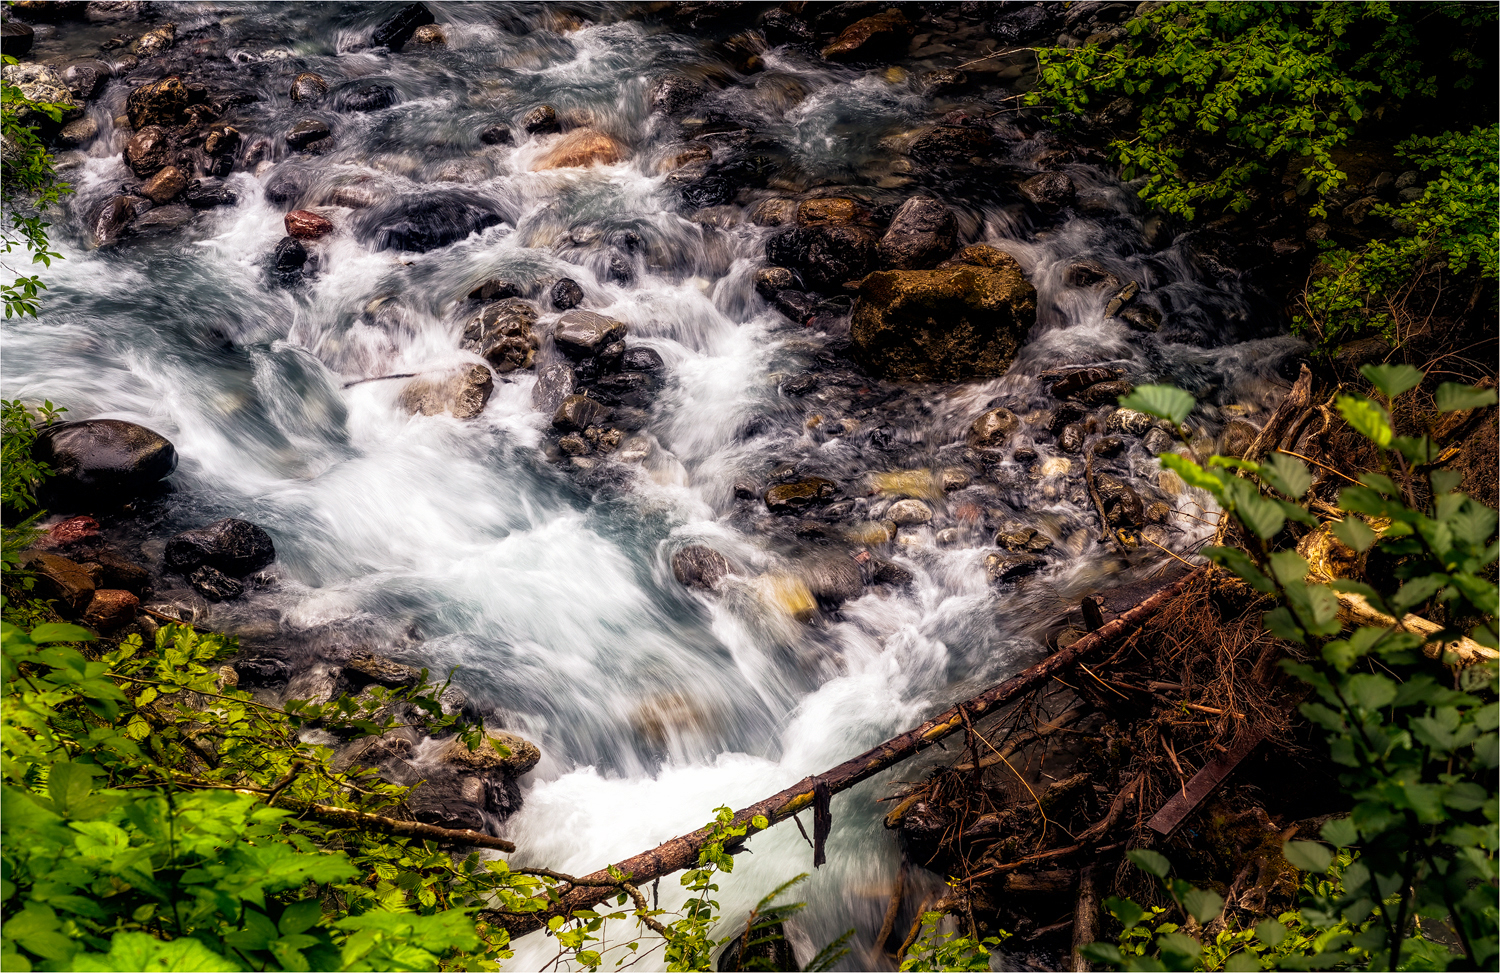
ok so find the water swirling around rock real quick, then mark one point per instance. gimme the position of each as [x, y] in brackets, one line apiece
[543, 568]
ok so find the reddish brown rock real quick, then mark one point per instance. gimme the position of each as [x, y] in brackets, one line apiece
[58, 579]
[584, 147]
[110, 609]
[307, 226]
[165, 186]
[70, 531]
[871, 38]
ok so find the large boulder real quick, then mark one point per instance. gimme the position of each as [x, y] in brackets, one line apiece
[396, 30]
[104, 457]
[523, 755]
[426, 222]
[503, 333]
[826, 256]
[59, 579]
[235, 547]
[42, 82]
[960, 321]
[882, 35]
[149, 151]
[579, 149]
[584, 334]
[16, 38]
[464, 394]
[922, 233]
[157, 103]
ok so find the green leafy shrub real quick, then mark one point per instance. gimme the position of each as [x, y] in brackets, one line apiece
[1420, 752]
[28, 186]
[937, 950]
[1229, 92]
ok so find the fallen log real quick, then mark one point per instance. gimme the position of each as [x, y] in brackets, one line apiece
[682, 852]
[1085, 918]
[1204, 783]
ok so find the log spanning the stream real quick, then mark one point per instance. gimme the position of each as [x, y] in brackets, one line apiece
[682, 852]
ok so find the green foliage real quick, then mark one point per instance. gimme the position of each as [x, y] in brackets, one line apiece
[937, 950]
[28, 185]
[20, 474]
[1452, 227]
[1259, 84]
[1420, 753]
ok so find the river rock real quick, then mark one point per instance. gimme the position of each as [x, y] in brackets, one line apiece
[960, 321]
[873, 38]
[792, 497]
[1158, 441]
[425, 222]
[993, 429]
[1122, 505]
[577, 413]
[365, 668]
[524, 754]
[1064, 382]
[541, 120]
[504, 334]
[495, 135]
[450, 800]
[109, 457]
[953, 144]
[1009, 567]
[1071, 438]
[1130, 421]
[1237, 436]
[1105, 393]
[1050, 191]
[429, 35]
[584, 334]
[1142, 317]
[155, 42]
[214, 584]
[922, 233]
[149, 151]
[697, 566]
[396, 30]
[825, 256]
[110, 609]
[221, 140]
[566, 294]
[832, 211]
[59, 579]
[641, 360]
[833, 580]
[236, 547]
[85, 78]
[554, 383]
[944, 81]
[1109, 446]
[367, 97]
[909, 513]
[165, 186]
[114, 216]
[116, 572]
[674, 93]
[308, 87]
[585, 147]
[770, 281]
[1020, 538]
[306, 132]
[305, 225]
[16, 38]
[78, 133]
[290, 257]
[463, 394]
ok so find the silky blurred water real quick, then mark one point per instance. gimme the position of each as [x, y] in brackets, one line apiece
[455, 543]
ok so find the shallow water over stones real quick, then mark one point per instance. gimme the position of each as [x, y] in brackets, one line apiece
[565, 426]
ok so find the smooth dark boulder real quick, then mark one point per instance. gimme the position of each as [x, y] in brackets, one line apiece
[922, 234]
[495, 135]
[308, 87]
[1050, 191]
[367, 97]
[825, 256]
[641, 360]
[16, 39]
[450, 800]
[426, 222]
[584, 334]
[290, 256]
[577, 413]
[674, 93]
[110, 458]
[883, 35]
[1063, 382]
[396, 30]
[306, 132]
[149, 151]
[566, 294]
[236, 547]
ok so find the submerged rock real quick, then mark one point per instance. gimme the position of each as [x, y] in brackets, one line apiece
[396, 30]
[883, 35]
[696, 566]
[825, 256]
[308, 87]
[960, 321]
[306, 132]
[463, 394]
[993, 429]
[582, 148]
[426, 222]
[791, 497]
[108, 457]
[214, 584]
[367, 97]
[236, 547]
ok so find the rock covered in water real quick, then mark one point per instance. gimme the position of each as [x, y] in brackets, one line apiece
[993, 429]
[960, 321]
[305, 225]
[1050, 191]
[114, 217]
[872, 38]
[109, 458]
[397, 29]
[584, 334]
[554, 383]
[165, 186]
[1009, 567]
[577, 412]
[504, 334]
[674, 93]
[541, 120]
[909, 513]
[430, 35]
[16, 38]
[922, 234]
[303, 134]
[155, 42]
[579, 149]
[308, 87]
[825, 256]
[290, 256]
[463, 394]
[214, 584]
[149, 151]
[366, 667]
[833, 580]
[697, 566]
[236, 547]
[79, 132]
[372, 96]
[792, 497]
[425, 222]
[566, 294]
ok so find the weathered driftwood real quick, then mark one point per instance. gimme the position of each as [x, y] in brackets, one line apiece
[1291, 408]
[1204, 783]
[1085, 918]
[1354, 609]
[682, 852]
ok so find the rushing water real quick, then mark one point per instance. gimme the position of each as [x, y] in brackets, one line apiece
[458, 543]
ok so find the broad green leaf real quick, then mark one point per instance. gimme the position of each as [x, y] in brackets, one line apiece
[1371, 691]
[1203, 904]
[1451, 397]
[1392, 379]
[300, 917]
[71, 786]
[1152, 862]
[138, 951]
[1366, 418]
[1287, 474]
[1355, 533]
[1280, 623]
[1416, 591]
[1340, 832]
[1445, 481]
[1262, 516]
[1382, 483]
[1162, 401]
[1418, 450]
[1194, 475]
[1239, 562]
[1288, 566]
[1125, 910]
[1309, 856]
[1270, 932]
[1316, 607]
[61, 632]
[1242, 962]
